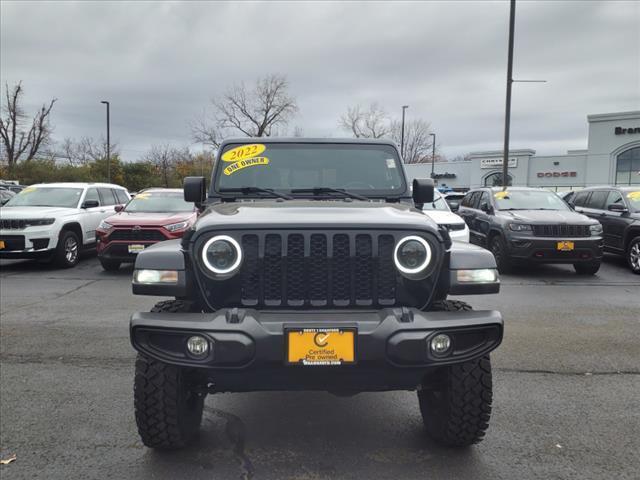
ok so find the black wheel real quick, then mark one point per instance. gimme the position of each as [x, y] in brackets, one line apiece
[167, 409]
[109, 265]
[590, 268]
[500, 253]
[456, 405]
[68, 250]
[633, 255]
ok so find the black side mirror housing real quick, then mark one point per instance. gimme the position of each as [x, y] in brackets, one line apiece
[617, 207]
[195, 190]
[486, 208]
[90, 204]
[423, 190]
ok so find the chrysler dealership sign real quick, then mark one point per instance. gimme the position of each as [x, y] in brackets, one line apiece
[497, 162]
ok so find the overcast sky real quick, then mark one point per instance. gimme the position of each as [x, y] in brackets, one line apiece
[160, 63]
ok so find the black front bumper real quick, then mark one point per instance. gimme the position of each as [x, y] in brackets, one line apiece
[248, 347]
[544, 250]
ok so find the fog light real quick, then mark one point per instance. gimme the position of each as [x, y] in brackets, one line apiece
[440, 344]
[197, 346]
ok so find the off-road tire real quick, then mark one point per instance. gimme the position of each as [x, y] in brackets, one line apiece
[110, 265]
[61, 257]
[456, 409]
[632, 255]
[498, 247]
[168, 413]
[450, 306]
[590, 268]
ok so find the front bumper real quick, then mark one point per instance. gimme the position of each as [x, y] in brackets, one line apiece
[248, 347]
[544, 249]
[119, 250]
[31, 242]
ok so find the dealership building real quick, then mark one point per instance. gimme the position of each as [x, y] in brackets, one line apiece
[612, 157]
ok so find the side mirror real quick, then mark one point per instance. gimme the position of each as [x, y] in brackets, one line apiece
[486, 208]
[194, 190]
[118, 208]
[90, 204]
[617, 207]
[423, 190]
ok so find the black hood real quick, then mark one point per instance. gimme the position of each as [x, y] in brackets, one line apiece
[545, 217]
[314, 214]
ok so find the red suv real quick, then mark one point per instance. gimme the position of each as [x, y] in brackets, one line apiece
[151, 216]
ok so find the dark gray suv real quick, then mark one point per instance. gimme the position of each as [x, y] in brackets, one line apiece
[531, 225]
[618, 210]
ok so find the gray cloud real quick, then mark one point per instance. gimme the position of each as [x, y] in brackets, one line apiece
[160, 63]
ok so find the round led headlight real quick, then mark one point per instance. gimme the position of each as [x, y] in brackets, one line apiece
[222, 255]
[412, 255]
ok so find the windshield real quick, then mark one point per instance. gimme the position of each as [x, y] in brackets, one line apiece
[438, 204]
[158, 202]
[634, 199]
[46, 197]
[528, 200]
[366, 169]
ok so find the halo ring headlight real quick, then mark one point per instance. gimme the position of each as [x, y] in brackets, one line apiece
[422, 266]
[234, 264]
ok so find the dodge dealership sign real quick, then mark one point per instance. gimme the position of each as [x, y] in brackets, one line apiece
[556, 174]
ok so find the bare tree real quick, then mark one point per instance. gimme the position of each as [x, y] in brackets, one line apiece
[85, 150]
[371, 123]
[204, 129]
[165, 158]
[418, 144]
[22, 138]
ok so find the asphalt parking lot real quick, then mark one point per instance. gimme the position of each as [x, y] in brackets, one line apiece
[566, 404]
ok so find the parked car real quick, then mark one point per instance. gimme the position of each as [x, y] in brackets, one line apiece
[453, 199]
[14, 187]
[531, 225]
[5, 195]
[439, 212]
[311, 269]
[150, 217]
[618, 210]
[55, 221]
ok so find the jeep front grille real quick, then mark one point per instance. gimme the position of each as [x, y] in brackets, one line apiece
[317, 269]
[566, 231]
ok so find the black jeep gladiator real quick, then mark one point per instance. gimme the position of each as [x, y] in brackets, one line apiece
[311, 268]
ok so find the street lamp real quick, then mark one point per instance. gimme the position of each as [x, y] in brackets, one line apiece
[433, 154]
[404, 107]
[108, 144]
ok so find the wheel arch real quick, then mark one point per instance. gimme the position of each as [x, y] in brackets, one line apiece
[74, 227]
[632, 233]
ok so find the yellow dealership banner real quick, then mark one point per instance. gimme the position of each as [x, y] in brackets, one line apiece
[243, 152]
[250, 162]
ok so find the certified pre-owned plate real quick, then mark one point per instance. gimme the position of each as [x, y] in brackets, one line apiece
[565, 246]
[136, 248]
[321, 346]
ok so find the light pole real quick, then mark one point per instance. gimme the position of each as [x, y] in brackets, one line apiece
[404, 107]
[433, 155]
[108, 144]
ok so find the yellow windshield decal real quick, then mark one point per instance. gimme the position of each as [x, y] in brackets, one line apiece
[501, 195]
[243, 152]
[633, 195]
[250, 162]
[28, 189]
[142, 196]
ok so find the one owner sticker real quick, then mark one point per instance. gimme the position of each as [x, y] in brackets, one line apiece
[243, 152]
[250, 162]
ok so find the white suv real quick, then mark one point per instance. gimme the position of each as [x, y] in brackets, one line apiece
[440, 213]
[56, 220]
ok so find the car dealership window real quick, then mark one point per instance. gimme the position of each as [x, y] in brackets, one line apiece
[628, 167]
[495, 180]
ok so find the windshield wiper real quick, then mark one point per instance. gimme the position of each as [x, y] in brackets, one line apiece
[248, 190]
[322, 190]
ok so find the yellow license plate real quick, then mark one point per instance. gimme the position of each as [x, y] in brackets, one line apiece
[321, 346]
[136, 248]
[565, 246]
[1, 245]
